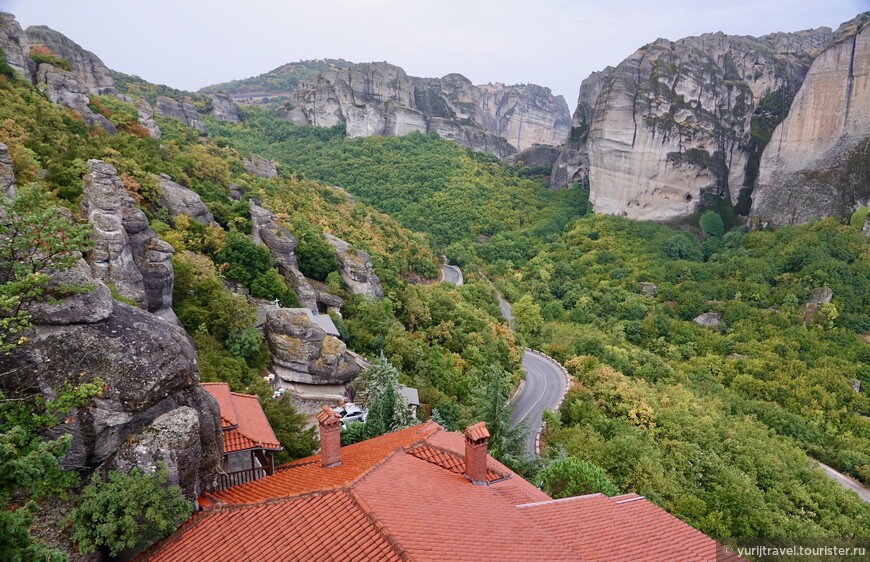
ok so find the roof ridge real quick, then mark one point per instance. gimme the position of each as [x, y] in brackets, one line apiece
[561, 500]
[380, 528]
[396, 450]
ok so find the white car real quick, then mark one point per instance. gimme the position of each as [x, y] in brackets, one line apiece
[350, 413]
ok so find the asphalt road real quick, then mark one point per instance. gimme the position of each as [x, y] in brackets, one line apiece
[846, 482]
[451, 274]
[505, 308]
[542, 388]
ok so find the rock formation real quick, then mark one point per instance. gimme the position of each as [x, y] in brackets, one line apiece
[149, 369]
[87, 67]
[224, 108]
[672, 123]
[356, 269]
[536, 156]
[14, 44]
[573, 161]
[184, 111]
[381, 99]
[7, 177]
[281, 245]
[146, 118]
[708, 320]
[302, 352]
[259, 166]
[62, 87]
[78, 308]
[818, 160]
[126, 252]
[179, 200]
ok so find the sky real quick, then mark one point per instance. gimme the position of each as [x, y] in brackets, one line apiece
[555, 43]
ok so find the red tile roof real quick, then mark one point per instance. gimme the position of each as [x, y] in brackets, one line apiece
[404, 496]
[243, 421]
[477, 431]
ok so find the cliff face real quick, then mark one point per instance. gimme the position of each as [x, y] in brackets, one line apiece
[818, 160]
[672, 124]
[87, 67]
[381, 99]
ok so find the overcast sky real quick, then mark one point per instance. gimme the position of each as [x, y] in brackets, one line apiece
[556, 43]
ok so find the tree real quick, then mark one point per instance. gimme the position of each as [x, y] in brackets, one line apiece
[505, 442]
[387, 408]
[712, 225]
[36, 240]
[527, 316]
[315, 255]
[290, 429]
[127, 511]
[571, 476]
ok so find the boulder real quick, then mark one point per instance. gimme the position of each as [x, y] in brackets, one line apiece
[126, 253]
[708, 320]
[356, 269]
[302, 351]
[149, 368]
[866, 229]
[821, 296]
[536, 156]
[87, 67]
[648, 289]
[179, 200]
[176, 439]
[259, 166]
[224, 108]
[14, 43]
[183, 111]
[7, 177]
[146, 118]
[62, 307]
[281, 243]
[62, 87]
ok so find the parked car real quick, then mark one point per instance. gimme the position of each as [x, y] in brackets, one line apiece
[350, 413]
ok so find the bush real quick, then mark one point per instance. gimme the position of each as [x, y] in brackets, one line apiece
[572, 477]
[127, 511]
[316, 256]
[711, 224]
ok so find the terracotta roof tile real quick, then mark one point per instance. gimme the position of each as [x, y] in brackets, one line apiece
[477, 431]
[451, 461]
[624, 528]
[324, 526]
[243, 421]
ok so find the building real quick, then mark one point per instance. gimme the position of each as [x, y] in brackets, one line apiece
[421, 493]
[249, 442]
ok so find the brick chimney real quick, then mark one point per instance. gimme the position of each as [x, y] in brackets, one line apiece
[476, 444]
[330, 437]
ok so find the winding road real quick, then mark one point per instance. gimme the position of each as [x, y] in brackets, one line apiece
[846, 482]
[543, 387]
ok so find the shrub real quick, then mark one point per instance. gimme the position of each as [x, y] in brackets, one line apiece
[316, 256]
[711, 224]
[571, 476]
[127, 511]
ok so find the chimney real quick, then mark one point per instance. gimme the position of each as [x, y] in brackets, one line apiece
[330, 437]
[476, 444]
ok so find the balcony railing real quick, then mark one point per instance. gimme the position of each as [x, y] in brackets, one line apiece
[230, 479]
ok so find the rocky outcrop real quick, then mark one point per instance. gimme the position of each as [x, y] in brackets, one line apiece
[680, 125]
[65, 307]
[281, 244]
[87, 67]
[302, 352]
[648, 289]
[184, 111]
[126, 252]
[356, 269]
[224, 108]
[573, 161]
[381, 99]
[708, 320]
[173, 439]
[7, 176]
[259, 166]
[14, 43]
[179, 200]
[149, 369]
[866, 229]
[146, 118]
[536, 156]
[818, 160]
[62, 87]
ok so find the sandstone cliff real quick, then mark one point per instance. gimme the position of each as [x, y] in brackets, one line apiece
[87, 67]
[381, 99]
[14, 44]
[818, 160]
[682, 123]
